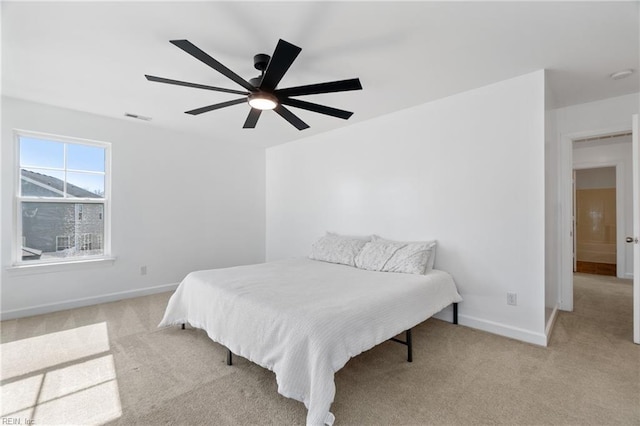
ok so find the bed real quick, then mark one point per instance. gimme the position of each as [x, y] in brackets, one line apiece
[304, 319]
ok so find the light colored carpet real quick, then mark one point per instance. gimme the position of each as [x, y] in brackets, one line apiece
[110, 364]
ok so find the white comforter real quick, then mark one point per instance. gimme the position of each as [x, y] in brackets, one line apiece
[304, 319]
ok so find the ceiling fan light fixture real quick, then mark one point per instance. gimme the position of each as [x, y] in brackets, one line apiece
[262, 101]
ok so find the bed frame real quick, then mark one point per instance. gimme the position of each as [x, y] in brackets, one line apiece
[407, 339]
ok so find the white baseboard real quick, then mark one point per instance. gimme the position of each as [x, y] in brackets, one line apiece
[552, 321]
[494, 327]
[628, 275]
[86, 301]
[500, 329]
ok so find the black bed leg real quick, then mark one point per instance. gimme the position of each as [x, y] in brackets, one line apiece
[183, 326]
[409, 347]
[455, 313]
[229, 357]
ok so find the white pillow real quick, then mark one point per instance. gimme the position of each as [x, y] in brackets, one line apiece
[337, 249]
[375, 255]
[413, 258]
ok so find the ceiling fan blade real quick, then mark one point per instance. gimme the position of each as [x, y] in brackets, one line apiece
[291, 117]
[281, 60]
[322, 109]
[313, 89]
[252, 118]
[194, 51]
[195, 85]
[216, 106]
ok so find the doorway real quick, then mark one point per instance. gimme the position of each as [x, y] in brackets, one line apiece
[595, 221]
[589, 150]
[609, 148]
[602, 166]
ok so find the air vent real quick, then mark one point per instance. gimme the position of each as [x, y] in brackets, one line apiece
[136, 116]
[602, 137]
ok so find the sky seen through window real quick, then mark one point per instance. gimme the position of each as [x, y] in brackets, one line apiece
[84, 164]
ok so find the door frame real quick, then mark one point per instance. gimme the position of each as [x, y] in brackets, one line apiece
[635, 158]
[566, 208]
[621, 261]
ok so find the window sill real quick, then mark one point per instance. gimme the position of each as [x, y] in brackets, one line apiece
[48, 267]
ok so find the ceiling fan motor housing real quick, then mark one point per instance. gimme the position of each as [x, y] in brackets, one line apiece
[260, 61]
[255, 81]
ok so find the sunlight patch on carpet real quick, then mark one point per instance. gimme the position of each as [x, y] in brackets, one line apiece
[66, 377]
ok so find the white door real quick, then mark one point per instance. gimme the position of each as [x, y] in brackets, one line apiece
[635, 239]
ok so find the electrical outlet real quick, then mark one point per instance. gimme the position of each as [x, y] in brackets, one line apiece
[143, 270]
[512, 299]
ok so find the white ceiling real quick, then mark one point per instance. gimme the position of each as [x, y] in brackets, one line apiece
[92, 56]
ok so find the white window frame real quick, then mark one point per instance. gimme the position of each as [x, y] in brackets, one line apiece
[17, 261]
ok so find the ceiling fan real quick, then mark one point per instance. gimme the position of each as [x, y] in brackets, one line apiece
[261, 92]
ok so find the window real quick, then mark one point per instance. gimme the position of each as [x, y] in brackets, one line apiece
[62, 199]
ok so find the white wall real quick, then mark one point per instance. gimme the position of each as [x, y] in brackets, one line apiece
[574, 122]
[467, 170]
[599, 178]
[552, 213]
[597, 117]
[179, 203]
